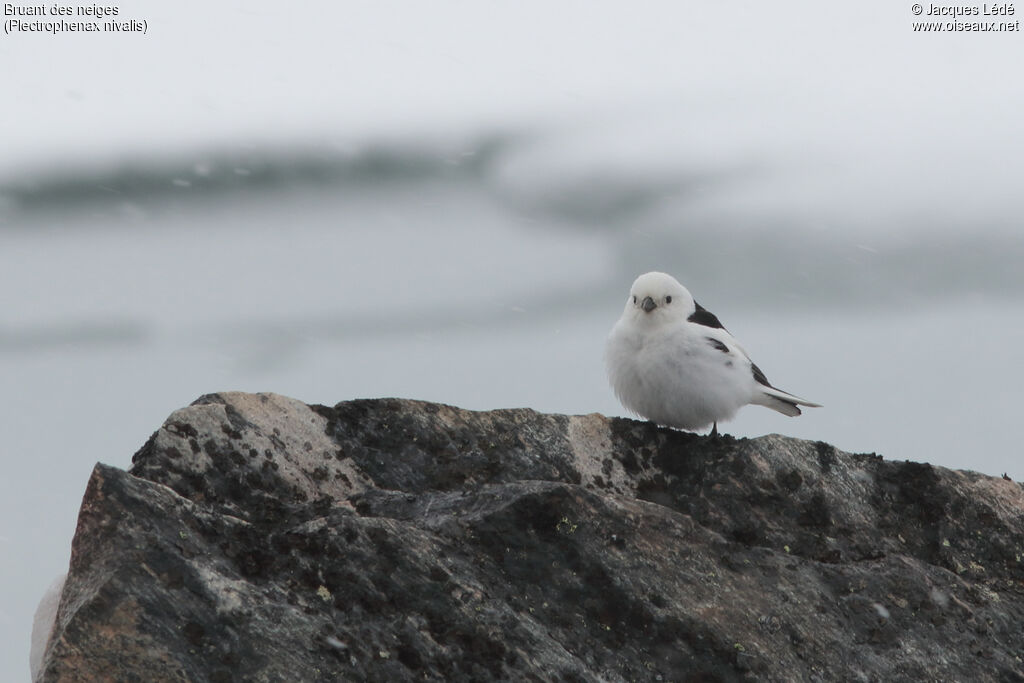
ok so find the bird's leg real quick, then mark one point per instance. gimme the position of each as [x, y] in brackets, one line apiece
[714, 430]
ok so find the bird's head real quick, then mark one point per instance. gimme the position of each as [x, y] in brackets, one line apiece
[658, 297]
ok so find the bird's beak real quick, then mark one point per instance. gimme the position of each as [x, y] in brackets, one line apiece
[648, 304]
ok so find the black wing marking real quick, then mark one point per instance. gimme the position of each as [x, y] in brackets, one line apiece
[703, 316]
[759, 376]
[717, 344]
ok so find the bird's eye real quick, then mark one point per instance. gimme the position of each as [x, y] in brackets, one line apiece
[634, 299]
[668, 299]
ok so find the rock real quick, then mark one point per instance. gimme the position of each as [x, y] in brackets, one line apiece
[260, 539]
[42, 624]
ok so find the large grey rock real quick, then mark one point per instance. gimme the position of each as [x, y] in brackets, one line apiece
[260, 539]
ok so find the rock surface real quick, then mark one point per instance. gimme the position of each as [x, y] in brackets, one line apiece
[260, 539]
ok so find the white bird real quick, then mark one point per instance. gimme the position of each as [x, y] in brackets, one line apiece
[671, 361]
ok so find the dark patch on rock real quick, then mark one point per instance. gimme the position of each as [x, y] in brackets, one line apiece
[814, 513]
[791, 480]
[400, 540]
[146, 448]
[231, 433]
[826, 455]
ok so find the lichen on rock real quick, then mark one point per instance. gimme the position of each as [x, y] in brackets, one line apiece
[258, 538]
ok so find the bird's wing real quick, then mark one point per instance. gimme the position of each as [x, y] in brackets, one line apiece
[716, 329]
[720, 338]
[703, 316]
[723, 341]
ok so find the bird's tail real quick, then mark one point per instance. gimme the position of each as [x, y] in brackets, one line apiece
[784, 402]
